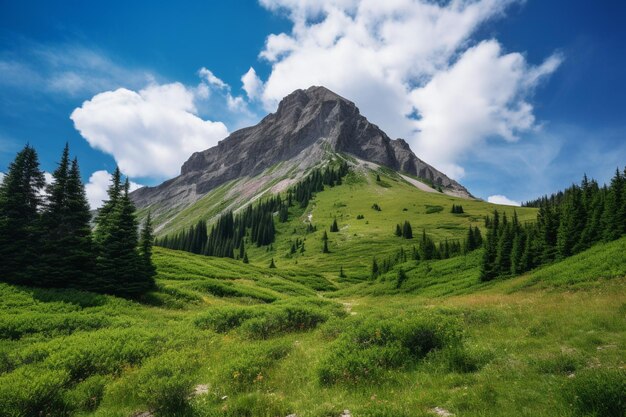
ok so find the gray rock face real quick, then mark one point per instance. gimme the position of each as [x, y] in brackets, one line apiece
[306, 127]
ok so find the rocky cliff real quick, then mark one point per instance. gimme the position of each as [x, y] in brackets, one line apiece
[308, 125]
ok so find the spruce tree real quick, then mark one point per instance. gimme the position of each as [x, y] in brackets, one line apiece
[325, 247]
[20, 228]
[55, 233]
[334, 227]
[81, 255]
[272, 264]
[613, 222]
[375, 270]
[147, 269]
[398, 230]
[407, 231]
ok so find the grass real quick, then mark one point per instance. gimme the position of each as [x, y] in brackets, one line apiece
[222, 338]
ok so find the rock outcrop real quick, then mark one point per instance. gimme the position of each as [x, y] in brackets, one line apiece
[307, 126]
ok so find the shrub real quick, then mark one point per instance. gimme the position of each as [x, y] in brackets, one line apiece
[86, 395]
[252, 364]
[31, 391]
[598, 392]
[223, 319]
[371, 347]
[165, 381]
[264, 321]
[17, 325]
[462, 359]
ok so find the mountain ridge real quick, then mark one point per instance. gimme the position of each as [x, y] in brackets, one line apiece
[307, 126]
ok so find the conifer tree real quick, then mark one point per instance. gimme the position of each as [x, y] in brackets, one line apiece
[147, 268]
[398, 230]
[341, 273]
[55, 233]
[334, 227]
[613, 221]
[325, 247]
[407, 231]
[19, 217]
[245, 258]
[375, 269]
[272, 264]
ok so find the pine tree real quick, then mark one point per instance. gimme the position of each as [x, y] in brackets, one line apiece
[325, 247]
[488, 270]
[613, 222]
[272, 264]
[375, 270]
[398, 230]
[334, 227]
[407, 231]
[55, 234]
[147, 268]
[20, 229]
[81, 256]
[400, 278]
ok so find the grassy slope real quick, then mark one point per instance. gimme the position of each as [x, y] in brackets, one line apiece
[524, 338]
[359, 240]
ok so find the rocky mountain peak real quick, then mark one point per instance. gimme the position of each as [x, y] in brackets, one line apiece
[307, 126]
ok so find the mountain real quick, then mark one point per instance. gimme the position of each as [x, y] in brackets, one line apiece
[308, 127]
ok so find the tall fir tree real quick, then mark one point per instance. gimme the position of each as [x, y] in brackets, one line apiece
[147, 268]
[20, 229]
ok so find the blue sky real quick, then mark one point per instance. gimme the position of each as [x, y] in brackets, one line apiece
[513, 98]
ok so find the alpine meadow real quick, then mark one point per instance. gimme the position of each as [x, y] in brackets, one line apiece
[192, 250]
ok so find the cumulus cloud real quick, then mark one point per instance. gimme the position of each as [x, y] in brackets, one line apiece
[150, 133]
[482, 95]
[211, 79]
[502, 200]
[411, 66]
[96, 188]
[252, 84]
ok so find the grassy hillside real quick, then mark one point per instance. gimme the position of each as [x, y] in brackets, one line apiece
[220, 338]
[359, 239]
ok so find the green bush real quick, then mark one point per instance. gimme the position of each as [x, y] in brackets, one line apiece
[598, 392]
[252, 364]
[104, 352]
[31, 391]
[86, 395]
[370, 348]
[261, 322]
[17, 325]
[165, 381]
[223, 319]
[462, 359]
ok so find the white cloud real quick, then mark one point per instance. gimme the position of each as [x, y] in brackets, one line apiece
[150, 133]
[68, 69]
[252, 84]
[97, 187]
[482, 95]
[1, 176]
[210, 78]
[502, 200]
[400, 58]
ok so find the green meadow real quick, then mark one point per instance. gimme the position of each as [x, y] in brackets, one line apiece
[222, 338]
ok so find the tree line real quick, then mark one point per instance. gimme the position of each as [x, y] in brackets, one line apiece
[426, 249]
[567, 222]
[228, 237]
[46, 238]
